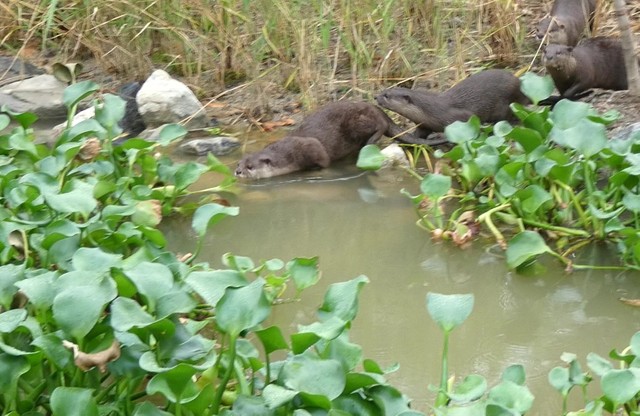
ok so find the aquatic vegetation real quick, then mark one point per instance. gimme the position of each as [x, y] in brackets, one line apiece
[552, 184]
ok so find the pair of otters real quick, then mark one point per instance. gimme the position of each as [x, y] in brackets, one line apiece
[578, 65]
[342, 128]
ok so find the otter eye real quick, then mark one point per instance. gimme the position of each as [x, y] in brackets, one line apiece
[266, 161]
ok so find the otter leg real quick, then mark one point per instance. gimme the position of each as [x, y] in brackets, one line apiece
[575, 91]
[314, 154]
[376, 136]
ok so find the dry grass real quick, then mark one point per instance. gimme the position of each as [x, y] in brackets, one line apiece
[321, 49]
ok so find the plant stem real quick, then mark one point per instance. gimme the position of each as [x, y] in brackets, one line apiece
[442, 398]
[215, 407]
[564, 230]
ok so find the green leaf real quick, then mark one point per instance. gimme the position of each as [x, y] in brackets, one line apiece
[12, 319]
[95, 260]
[149, 409]
[525, 246]
[389, 400]
[210, 214]
[211, 285]
[38, 289]
[370, 158]
[567, 113]
[4, 121]
[304, 272]
[469, 390]
[276, 396]
[449, 311]
[67, 304]
[576, 136]
[514, 373]
[152, 280]
[80, 199]
[435, 185]
[127, 313]
[532, 198]
[528, 138]
[242, 308]
[73, 401]
[11, 368]
[10, 275]
[188, 173]
[536, 87]
[559, 380]
[146, 214]
[620, 386]
[309, 374]
[631, 201]
[176, 384]
[462, 132]
[272, 339]
[341, 299]
[110, 111]
[171, 133]
[77, 92]
[511, 396]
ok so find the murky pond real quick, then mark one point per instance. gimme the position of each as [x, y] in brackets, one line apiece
[359, 223]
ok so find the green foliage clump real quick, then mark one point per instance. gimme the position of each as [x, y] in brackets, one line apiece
[551, 184]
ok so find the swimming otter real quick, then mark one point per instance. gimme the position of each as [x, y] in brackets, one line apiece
[567, 21]
[593, 63]
[486, 94]
[336, 130]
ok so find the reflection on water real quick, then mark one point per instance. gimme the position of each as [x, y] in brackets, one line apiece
[361, 224]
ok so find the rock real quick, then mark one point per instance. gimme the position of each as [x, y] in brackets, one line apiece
[81, 116]
[218, 145]
[41, 95]
[163, 99]
[11, 68]
[630, 131]
[394, 157]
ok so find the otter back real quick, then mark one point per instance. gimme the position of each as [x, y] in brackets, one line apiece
[567, 21]
[486, 94]
[334, 131]
[593, 63]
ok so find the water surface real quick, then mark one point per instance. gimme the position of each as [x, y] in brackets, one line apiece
[359, 223]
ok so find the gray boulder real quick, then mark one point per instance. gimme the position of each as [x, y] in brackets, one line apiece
[394, 157]
[163, 99]
[12, 68]
[41, 95]
[218, 145]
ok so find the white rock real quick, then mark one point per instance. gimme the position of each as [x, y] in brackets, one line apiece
[394, 157]
[81, 116]
[163, 99]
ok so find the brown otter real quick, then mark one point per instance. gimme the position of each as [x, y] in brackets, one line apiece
[334, 131]
[567, 21]
[593, 63]
[486, 94]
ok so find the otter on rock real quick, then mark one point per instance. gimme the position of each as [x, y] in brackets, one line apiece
[334, 131]
[567, 21]
[486, 94]
[593, 63]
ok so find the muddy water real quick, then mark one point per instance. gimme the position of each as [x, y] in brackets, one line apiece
[360, 224]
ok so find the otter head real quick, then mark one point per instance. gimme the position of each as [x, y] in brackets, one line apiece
[559, 57]
[263, 164]
[542, 28]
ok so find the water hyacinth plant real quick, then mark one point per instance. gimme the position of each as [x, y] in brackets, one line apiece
[552, 184]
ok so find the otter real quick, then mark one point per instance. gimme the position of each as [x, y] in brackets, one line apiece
[594, 63]
[487, 94]
[567, 21]
[333, 132]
